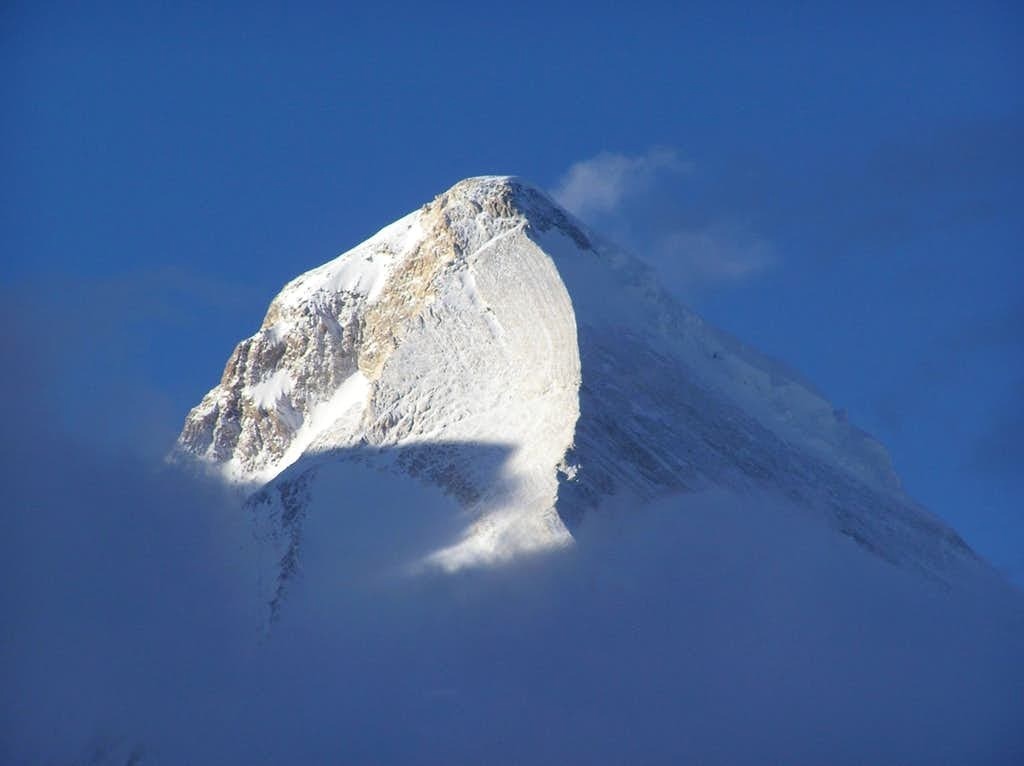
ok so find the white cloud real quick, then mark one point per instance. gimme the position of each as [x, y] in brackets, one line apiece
[603, 189]
[598, 185]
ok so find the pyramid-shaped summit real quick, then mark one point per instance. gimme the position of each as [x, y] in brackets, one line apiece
[493, 348]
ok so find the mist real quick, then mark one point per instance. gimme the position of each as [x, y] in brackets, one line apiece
[713, 628]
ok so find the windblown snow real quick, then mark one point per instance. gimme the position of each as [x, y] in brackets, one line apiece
[490, 346]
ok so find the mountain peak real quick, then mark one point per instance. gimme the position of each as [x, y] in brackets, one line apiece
[482, 188]
[509, 197]
[489, 325]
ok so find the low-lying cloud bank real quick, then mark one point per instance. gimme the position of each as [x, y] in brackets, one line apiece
[708, 629]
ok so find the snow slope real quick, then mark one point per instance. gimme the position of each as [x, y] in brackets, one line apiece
[492, 347]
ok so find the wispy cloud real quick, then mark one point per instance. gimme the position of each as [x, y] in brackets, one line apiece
[639, 200]
[599, 185]
[128, 345]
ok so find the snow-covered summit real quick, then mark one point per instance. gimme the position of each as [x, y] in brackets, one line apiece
[490, 345]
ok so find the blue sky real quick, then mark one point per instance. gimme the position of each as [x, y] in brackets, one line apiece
[841, 188]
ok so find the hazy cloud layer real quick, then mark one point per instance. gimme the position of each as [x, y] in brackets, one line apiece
[130, 593]
[130, 345]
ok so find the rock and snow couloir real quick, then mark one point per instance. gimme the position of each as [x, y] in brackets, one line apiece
[490, 346]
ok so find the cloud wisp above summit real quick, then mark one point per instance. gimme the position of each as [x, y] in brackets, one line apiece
[638, 199]
[600, 184]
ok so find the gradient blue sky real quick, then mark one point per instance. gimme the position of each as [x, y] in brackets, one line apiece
[840, 188]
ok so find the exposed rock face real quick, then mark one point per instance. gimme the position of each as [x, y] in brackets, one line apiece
[452, 331]
[307, 346]
[271, 383]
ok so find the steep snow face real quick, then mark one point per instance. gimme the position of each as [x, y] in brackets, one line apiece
[669, 404]
[489, 345]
